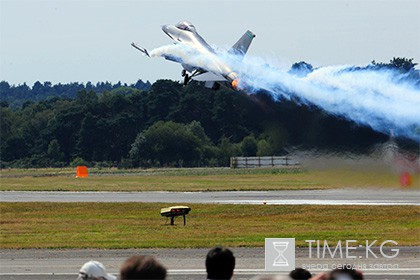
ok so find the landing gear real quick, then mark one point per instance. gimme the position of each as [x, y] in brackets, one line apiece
[186, 79]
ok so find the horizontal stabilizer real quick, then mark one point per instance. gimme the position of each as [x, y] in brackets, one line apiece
[209, 76]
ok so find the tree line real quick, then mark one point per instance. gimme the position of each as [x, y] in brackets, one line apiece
[167, 124]
[16, 96]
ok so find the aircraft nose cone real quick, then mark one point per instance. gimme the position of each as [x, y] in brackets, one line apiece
[165, 28]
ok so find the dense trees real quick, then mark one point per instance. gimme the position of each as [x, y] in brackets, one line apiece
[164, 124]
[170, 143]
[169, 125]
[402, 63]
[16, 96]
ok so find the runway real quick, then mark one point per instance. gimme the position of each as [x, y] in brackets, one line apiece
[184, 263]
[189, 263]
[345, 196]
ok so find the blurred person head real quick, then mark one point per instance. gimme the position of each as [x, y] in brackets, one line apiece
[220, 263]
[142, 267]
[271, 277]
[94, 270]
[300, 274]
[321, 276]
[346, 273]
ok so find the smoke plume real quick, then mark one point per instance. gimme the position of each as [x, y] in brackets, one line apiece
[384, 99]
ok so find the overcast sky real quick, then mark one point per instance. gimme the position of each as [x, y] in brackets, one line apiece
[80, 41]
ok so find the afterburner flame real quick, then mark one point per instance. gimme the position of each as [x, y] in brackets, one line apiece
[235, 84]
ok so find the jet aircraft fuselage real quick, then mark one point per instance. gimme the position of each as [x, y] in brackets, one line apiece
[219, 72]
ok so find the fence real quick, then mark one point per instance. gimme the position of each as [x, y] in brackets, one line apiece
[254, 162]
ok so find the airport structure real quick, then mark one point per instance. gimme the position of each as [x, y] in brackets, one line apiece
[261, 162]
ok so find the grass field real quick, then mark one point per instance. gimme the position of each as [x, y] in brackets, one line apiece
[195, 179]
[139, 225]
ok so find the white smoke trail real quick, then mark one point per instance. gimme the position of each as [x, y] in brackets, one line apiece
[379, 98]
[376, 98]
[190, 56]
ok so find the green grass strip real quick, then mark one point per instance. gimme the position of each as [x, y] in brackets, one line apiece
[194, 179]
[139, 225]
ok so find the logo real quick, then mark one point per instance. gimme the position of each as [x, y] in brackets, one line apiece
[279, 254]
[349, 250]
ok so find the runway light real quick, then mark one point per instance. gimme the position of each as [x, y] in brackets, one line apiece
[175, 211]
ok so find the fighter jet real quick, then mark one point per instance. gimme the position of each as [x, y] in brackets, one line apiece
[213, 74]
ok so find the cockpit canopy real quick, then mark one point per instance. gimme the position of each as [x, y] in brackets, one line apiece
[186, 25]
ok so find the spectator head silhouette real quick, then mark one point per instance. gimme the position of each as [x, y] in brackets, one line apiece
[142, 267]
[220, 263]
[300, 274]
[346, 273]
[94, 270]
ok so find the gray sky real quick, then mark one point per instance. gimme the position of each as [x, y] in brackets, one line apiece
[79, 41]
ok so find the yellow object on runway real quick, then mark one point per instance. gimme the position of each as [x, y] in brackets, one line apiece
[175, 211]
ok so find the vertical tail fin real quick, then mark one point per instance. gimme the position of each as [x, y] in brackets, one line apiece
[241, 47]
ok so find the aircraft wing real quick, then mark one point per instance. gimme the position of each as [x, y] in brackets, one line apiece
[209, 76]
[172, 58]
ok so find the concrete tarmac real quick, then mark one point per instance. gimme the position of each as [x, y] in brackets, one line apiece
[345, 196]
[189, 263]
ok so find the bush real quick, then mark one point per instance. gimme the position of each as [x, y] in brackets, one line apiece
[79, 161]
[125, 163]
